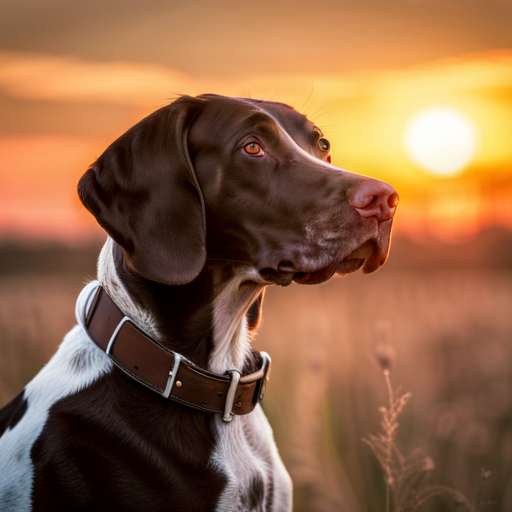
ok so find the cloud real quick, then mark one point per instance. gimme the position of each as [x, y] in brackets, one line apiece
[467, 72]
[69, 79]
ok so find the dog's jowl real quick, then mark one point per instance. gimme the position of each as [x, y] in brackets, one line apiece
[152, 402]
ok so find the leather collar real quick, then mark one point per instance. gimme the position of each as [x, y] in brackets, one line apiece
[163, 371]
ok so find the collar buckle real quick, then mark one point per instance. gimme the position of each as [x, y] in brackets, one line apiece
[230, 398]
[172, 375]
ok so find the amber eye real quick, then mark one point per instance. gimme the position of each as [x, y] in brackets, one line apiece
[324, 144]
[254, 149]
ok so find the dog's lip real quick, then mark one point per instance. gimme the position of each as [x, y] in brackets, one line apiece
[363, 256]
[366, 256]
[317, 277]
[344, 267]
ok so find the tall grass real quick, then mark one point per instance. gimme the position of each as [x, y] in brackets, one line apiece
[406, 476]
[450, 331]
[35, 313]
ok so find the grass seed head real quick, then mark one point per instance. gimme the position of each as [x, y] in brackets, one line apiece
[385, 356]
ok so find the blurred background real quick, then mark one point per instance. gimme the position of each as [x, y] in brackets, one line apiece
[415, 92]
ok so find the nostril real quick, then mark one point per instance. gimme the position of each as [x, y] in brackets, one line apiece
[372, 201]
[362, 200]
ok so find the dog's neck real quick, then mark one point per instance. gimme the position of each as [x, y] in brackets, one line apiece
[204, 320]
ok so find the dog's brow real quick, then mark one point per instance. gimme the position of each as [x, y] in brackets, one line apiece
[267, 130]
[263, 124]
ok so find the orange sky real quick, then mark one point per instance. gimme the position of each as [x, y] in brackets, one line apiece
[63, 100]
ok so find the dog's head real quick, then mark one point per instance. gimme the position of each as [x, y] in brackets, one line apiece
[238, 180]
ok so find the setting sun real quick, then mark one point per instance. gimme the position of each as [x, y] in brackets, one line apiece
[441, 140]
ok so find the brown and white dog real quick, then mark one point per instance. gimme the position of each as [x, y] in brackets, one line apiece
[206, 202]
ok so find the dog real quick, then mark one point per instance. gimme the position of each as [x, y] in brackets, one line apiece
[152, 401]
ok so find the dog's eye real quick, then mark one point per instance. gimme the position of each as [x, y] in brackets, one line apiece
[254, 149]
[324, 144]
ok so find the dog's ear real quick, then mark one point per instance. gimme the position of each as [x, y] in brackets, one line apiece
[144, 192]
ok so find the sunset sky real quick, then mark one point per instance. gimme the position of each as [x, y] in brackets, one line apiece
[76, 74]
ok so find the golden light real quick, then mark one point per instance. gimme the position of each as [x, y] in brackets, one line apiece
[441, 140]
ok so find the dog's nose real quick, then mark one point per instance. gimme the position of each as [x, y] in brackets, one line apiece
[373, 198]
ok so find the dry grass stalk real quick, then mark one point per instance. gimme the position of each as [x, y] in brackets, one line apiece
[405, 476]
[320, 480]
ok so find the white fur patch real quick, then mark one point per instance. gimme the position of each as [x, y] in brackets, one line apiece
[245, 450]
[107, 276]
[242, 453]
[231, 341]
[76, 365]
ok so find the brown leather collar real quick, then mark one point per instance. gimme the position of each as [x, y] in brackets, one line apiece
[164, 371]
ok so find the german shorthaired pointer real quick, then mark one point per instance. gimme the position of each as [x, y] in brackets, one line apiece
[151, 402]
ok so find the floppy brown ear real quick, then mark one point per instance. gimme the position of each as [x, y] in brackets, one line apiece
[143, 191]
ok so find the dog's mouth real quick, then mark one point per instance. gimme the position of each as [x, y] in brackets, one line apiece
[366, 256]
[354, 261]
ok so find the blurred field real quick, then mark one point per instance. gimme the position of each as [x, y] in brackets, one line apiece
[445, 312]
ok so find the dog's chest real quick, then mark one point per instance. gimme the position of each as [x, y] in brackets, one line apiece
[243, 473]
[246, 454]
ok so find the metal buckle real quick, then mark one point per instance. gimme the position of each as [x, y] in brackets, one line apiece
[172, 375]
[115, 333]
[230, 397]
[267, 363]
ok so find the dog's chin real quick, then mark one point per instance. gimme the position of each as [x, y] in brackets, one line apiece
[367, 256]
[364, 256]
